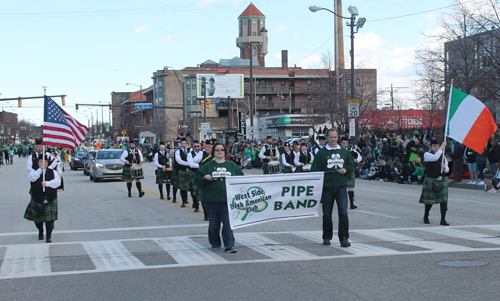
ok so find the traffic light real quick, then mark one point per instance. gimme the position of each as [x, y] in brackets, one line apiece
[76, 107]
[110, 108]
[202, 104]
[20, 102]
[208, 103]
[63, 100]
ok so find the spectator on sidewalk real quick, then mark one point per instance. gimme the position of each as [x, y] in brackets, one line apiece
[470, 158]
[493, 153]
[481, 160]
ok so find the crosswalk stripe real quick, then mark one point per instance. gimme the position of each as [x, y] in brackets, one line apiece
[271, 248]
[188, 252]
[111, 255]
[455, 233]
[26, 260]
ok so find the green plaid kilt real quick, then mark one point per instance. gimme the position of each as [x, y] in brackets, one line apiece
[287, 170]
[298, 169]
[429, 197]
[351, 181]
[174, 177]
[265, 168]
[192, 185]
[127, 174]
[183, 180]
[49, 215]
[159, 176]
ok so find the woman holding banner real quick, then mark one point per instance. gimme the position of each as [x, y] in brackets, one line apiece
[211, 179]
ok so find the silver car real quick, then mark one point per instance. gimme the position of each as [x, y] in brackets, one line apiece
[106, 165]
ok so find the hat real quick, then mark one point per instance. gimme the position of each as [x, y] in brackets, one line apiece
[194, 141]
[321, 137]
[303, 144]
[344, 138]
[183, 139]
[385, 139]
[209, 142]
[434, 141]
[286, 144]
[269, 137]
[39, 141]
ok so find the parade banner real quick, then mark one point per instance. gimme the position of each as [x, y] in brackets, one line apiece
[258, 199]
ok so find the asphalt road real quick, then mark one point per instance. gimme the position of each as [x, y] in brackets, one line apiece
[107, 246]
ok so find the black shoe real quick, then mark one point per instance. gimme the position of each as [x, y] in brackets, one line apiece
[49, 240]
[183, 205]
[230, 250]
[174, 201]
[326, 242]
[168, 197]
[426, 221]
[161, 197]
[444, 223]
[40, 236]
[344, 243]
[354, 206]
[205, 219]
[129, 195]
[196, 210]
[141, 194]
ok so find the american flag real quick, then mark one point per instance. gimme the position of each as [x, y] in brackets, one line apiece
[59, 128]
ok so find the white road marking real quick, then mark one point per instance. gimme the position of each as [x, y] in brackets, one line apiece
[455, 233]
[271, 248]
[368, 212]
[26, 260]
[188, 252]
[111, 255]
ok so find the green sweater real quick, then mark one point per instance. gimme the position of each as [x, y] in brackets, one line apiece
[329, 160]
[215, 190]
[419, 172]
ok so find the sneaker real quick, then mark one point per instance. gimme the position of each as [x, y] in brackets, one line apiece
[214, 249]
[230, 250]
[381, 180]
[493, 190]
[472, 183]
[480, 183]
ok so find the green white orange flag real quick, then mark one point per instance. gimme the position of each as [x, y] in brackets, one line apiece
[469, 120]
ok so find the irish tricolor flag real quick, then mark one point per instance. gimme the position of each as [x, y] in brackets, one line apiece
[469, 120]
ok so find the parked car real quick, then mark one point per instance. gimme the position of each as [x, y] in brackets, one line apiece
[106, 164]
[90, 156]
[77, 160]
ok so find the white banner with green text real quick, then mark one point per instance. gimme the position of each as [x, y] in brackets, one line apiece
[258, 199]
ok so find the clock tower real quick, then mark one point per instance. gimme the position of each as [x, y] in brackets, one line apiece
[252, 35]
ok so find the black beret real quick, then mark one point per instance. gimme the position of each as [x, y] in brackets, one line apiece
[286, 144]
[344, 138]
[321, 137]
[195, 141]
[39, 141]
[183, 139]
[434, 141]
[269, 137]
[210, 142]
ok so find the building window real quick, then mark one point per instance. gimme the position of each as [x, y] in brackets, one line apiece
[257, 84]
[263, 83]
[309, 98]
[358, 82]
[318, 98]
[291, 83]
[282, 83]
[254, 33]
[254, 22]
[245, 22]
[309, 82]
[160, 100]
[263, 99]
[270, 82]
[188, 100]
[188, 84]
[160, 84]
[270, 101]
[257, 99]
[318, 83]
[349, 81]
[283, 98]
[193, 84]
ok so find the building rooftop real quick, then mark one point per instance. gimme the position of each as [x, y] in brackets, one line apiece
[251, 10]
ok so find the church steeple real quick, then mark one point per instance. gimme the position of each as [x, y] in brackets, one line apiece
[252, 30]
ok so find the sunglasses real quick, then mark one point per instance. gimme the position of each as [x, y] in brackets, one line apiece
[197, 146]
[219, 149]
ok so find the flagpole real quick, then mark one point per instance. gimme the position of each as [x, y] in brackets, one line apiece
[447, 120]
[43, 145]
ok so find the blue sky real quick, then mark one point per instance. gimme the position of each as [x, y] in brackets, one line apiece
[88, 49]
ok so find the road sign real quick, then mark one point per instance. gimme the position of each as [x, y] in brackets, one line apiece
[352, 127]
[205, 125]
[124, 132]
[353, 101]
[143, 106]
[209, 132]
[353, 110]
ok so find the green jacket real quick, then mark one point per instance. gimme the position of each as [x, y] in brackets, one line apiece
[215, 191]
[330, 160]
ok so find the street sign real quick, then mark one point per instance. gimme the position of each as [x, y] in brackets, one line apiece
[353, 110]
[143, 106]
[124, 132]
[353, 101]
[352, 127]
[209, 132]
[205, 125]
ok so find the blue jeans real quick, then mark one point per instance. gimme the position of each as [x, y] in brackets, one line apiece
[217, 213]
[328, 198]
[481, 166]
[493, 168]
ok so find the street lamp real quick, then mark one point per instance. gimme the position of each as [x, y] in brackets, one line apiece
[354, 12]
[142, 112]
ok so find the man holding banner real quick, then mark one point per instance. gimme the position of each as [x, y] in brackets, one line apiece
[338, 166]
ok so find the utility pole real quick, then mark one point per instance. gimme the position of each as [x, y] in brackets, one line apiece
[204, 99]
[251, 85]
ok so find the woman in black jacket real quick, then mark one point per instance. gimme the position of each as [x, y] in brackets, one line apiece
[493, 153]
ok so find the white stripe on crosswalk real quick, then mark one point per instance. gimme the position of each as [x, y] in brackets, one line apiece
[26, 260]
[271, 248]
[461, 234]
[111, 255]
[188, 252]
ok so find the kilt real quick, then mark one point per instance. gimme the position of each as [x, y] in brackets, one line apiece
[160, 179]
[49, 215]
[351, 181]
[192, 185]
[183, 180]
[298, 169]
[429, 197]
[287, 170]
[265, 168]
[173, 177]
[127, 174]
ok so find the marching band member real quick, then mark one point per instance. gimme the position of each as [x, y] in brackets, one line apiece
[194, 158]
[268, 152]
[161, 161]
[183, 171]
[322, 142]
[43, 204]
[32, 162]
[287, 159]
[303, 158]
[128, 157]
[344, 142]
[174, 175]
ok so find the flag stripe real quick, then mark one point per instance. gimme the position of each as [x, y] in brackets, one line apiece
[480, 131]
[457, 98]
[464, 117]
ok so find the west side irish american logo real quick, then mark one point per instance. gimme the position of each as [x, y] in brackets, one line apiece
[249, 201]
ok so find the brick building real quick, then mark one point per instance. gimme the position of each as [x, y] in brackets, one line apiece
[9, 126]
